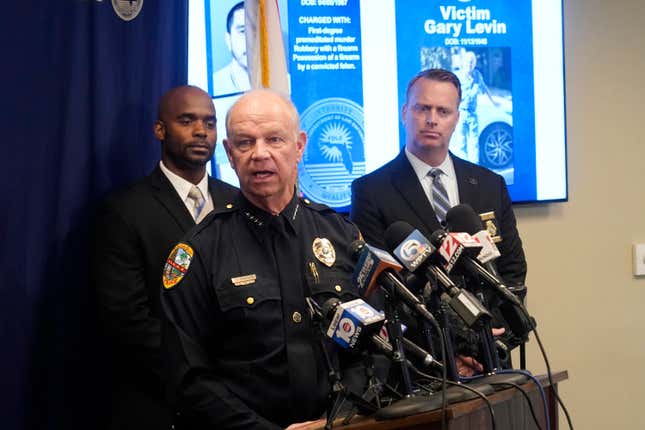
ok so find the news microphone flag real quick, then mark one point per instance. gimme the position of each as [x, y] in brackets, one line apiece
[372, 262]
[452, 245]
[489, 251]
[264, 46]
[351, 319]
[413, 250]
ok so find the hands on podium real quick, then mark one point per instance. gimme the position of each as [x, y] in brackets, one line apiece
[307, 425]
[468, 366]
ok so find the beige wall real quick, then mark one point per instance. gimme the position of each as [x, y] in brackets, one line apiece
[590, 308]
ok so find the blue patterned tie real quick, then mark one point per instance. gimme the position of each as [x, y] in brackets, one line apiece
[440, 200]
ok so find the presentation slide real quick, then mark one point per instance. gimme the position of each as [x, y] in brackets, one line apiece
[349, 63]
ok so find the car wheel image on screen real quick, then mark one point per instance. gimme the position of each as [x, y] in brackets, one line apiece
[496, 146]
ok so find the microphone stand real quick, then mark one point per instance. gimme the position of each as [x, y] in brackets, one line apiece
[411, 403]
[340, 393]
[490, 358]
[489, 349]
[446, 332]
[374, 388]
[395, 335]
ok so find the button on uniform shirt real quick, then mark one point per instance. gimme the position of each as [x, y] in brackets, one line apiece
[241, 345]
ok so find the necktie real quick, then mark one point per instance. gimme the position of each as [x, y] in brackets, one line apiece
[197, 199]
[440, 200]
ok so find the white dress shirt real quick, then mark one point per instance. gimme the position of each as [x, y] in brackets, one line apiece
[183, 186]
[448, 177]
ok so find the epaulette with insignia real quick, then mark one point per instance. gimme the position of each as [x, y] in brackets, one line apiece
[215, 214]
[315, 206]
[228, 207]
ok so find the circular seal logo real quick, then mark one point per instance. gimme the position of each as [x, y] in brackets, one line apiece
[127, 10]
[334, 155]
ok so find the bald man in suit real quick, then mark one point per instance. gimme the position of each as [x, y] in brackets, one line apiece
[136, 230]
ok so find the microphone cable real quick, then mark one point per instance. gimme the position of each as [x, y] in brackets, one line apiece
[521, 390]
[548, 366]
[548, 373]
[445, 381]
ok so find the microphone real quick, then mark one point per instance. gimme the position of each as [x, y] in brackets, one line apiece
[415, 252]
[512, 308]
[351, 322]
[464, 218]
[356, 324]
[376, 267]
[453, 245]
[512, 311]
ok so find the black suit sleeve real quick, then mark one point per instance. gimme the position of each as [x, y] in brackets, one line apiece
[124, 304]
[366, 214]
[512, 263]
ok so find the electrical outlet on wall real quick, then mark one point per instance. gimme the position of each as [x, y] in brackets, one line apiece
[639, 259]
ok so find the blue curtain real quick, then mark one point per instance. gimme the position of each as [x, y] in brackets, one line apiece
[81, 87]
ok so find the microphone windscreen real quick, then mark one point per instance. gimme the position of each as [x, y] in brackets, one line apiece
[329, 307]
[437, 237]
[396, 233]
[463, 218]
[355, 249]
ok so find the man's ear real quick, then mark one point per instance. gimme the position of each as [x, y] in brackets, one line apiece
[404, 113]
[227, 39]
[160, 130]
[301, 142]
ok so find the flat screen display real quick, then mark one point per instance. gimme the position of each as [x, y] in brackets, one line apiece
[349, 63]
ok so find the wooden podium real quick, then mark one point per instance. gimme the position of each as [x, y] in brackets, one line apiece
[510, 406]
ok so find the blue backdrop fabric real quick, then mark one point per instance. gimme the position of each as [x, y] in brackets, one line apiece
[81, 87]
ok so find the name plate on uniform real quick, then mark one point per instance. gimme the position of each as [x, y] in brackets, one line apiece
[240, 281]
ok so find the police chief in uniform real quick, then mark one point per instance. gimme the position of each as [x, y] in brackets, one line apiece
[241, 347]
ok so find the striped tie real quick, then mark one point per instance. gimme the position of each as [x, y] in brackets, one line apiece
[197, 198]
[440, 200]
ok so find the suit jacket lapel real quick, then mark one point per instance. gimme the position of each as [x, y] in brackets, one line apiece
[406, 182]
[467, 183]
[167, 196]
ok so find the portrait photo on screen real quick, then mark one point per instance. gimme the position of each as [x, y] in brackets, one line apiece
[484, 133]
[225, 26]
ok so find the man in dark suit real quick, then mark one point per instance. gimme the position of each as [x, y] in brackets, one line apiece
[404, 189]
[401, 190]
[136, 229]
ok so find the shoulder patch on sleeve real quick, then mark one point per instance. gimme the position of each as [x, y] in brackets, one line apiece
[177, 265]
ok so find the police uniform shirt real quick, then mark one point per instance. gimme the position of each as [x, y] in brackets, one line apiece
[242, 349]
